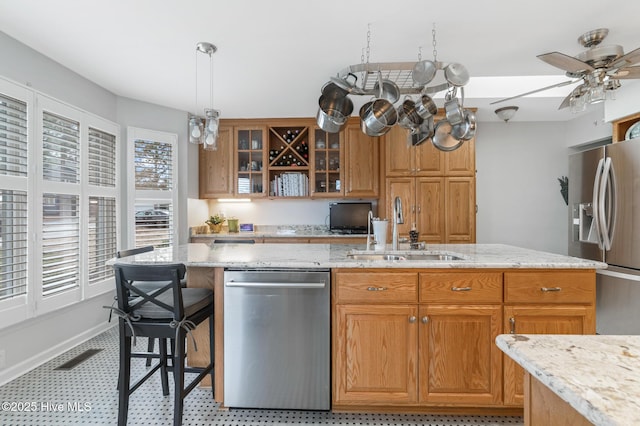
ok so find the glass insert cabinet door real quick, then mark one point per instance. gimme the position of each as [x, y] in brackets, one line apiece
[250, 161]
[327, 163]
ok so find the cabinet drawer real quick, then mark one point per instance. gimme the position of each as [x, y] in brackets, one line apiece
[550, 287]
[461, 287]
[377, 287]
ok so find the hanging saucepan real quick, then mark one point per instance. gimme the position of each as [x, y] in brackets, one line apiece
[426, 107]
[346, 85]
[421, 133]
[453, 107]
[456, 74]
[333, 113]
[386, 89]
[442, 138]
[407, 115]
[378, 118]
[332, 91]
[423, 72]
[465, 130]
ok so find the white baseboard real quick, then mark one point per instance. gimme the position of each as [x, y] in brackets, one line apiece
[29, 364]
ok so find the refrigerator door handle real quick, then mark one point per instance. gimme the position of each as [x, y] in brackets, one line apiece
[596, 202]
[606, 207]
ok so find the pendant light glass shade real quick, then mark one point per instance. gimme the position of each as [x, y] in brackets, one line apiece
[195, 130]
[211, 124]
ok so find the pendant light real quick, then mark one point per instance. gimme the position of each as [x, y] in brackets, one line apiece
[206, 134]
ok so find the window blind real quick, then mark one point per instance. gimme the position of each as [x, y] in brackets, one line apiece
[13, 137]
[60, 243]
[102, 158]
[102, 237]
[60, 148]
[13, 243]
[154, 224]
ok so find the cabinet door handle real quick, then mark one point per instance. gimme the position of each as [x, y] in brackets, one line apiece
[376, 288]
[425, 319]
[548, 289]
[460, 288]
[512, 323]
[419, 209]
[412, 319]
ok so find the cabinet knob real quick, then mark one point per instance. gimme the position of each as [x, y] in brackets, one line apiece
[548, 289]
[425, 319]
[376, 288]
[412, 319]
[512, 323]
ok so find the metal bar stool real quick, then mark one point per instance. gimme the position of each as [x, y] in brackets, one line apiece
[170, 312]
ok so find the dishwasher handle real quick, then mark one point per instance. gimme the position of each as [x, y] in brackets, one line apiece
[261, 284]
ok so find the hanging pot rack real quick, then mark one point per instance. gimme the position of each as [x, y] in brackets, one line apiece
[398, 72]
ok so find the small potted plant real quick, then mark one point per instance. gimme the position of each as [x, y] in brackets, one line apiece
[215, 223]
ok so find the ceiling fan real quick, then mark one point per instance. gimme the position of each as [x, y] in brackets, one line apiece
[599, 68]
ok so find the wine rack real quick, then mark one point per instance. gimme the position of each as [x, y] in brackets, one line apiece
[288, 161]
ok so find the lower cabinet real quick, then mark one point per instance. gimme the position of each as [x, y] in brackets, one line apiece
[538, 319]
[376, 354]
[459, 364]
[389, 349]
[426, 338]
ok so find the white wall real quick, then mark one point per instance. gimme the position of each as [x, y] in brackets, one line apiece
[518, 192]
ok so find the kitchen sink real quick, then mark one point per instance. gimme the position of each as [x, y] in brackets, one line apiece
[443, 257]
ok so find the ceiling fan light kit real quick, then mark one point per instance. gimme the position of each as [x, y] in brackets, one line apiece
[385, 83]
[600, 68]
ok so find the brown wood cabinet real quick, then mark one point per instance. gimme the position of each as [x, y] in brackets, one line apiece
[460, 317]
[442, 208]
[437, 188]
[544, 407]
[392, 350]
[216, 167]
[544, 302]
[253, 153]
[620, 127]
[361, 163]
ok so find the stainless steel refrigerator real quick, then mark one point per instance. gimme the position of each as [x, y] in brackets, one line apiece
[604, 225]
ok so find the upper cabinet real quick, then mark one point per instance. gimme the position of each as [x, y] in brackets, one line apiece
[249, 163]
[404, 159]
[622, 126]
[362, 161]
[290, 158]
[216, 167]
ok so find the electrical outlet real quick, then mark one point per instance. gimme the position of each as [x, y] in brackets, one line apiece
[3, 358]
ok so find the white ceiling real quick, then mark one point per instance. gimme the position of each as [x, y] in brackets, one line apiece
[274, 55]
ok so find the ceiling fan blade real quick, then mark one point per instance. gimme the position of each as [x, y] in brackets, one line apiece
[564, 83]
[565, 62]
[630, 58]
[627, 73]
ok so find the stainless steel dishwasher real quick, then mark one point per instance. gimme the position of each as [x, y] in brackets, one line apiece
[277, 339]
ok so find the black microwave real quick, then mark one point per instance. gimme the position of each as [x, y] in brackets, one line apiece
[349, 218]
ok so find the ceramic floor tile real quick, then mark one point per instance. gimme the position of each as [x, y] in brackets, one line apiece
[86, 395]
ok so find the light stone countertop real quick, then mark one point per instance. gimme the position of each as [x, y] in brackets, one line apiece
[599, 376]
[335, 256]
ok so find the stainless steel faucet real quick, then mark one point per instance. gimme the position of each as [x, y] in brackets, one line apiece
[398, 218]
[369, 241]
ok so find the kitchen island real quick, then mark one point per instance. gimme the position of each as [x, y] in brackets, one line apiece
[578, 379]
[415, 335]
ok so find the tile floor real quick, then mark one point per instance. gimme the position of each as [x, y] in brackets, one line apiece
[86, 395]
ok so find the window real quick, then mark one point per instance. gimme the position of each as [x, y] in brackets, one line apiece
[13, 201]
[153, 190]
[59, 191]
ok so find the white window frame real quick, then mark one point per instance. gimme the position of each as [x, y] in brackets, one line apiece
[133, 134]
[33, 303]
